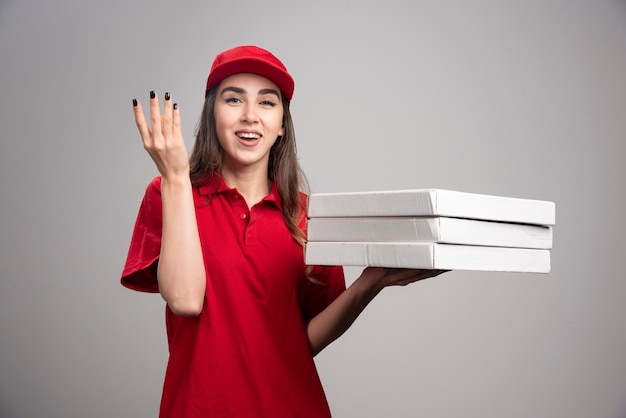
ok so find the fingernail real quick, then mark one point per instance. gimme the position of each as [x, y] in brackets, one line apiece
[167, 96]
[175, 106]
[135, 102]
[152, 95]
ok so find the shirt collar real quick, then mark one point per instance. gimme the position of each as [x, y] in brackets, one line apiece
[215, 185]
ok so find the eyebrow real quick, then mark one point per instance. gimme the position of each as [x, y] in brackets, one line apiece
[239, 90]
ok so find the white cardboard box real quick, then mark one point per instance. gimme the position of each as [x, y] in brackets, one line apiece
[427, 256]
[432, 202]
[430, 229]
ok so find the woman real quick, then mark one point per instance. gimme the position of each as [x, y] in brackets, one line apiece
[221, 234]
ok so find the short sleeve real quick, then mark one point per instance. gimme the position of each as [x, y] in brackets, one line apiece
[320, 288]
[322, 284]
[145, 246]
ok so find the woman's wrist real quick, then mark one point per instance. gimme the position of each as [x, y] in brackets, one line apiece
[368, 284]
[176, 180]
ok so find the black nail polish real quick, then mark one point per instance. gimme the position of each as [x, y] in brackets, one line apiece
[175, 106]
[135, 102]
[152, 95]
[167, 96]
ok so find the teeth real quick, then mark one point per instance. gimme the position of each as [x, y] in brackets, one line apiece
[248, 135]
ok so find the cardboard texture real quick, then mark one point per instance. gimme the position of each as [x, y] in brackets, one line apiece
[428, 256]
[430, 229]
[432, 202]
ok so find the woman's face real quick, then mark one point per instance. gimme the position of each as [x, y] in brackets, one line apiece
[248, 119]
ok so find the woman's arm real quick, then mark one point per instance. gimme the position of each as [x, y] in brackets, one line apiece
[333, 321]
[181, 274]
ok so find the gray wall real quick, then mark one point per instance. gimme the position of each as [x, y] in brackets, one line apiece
[524, 99]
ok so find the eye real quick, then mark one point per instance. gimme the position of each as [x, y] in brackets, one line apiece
[268, 103]
[232, 100]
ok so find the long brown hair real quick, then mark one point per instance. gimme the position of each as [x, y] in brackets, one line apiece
[284, 169]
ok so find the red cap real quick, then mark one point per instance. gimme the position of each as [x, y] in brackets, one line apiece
[250, 59]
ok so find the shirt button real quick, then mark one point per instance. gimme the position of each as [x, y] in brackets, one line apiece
[243, 216]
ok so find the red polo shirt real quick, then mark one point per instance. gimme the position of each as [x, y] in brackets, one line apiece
[247, 354]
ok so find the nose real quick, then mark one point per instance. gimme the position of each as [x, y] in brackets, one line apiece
[250, 113]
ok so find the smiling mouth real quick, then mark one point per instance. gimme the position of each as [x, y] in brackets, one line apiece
[248, 135]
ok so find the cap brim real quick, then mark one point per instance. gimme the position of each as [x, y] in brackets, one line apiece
[246, 65]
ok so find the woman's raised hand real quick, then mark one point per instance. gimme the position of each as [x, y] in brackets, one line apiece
[163, 139]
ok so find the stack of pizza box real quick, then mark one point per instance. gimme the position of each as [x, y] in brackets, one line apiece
[430, 229]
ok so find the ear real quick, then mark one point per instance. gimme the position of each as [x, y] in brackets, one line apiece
[282, 131]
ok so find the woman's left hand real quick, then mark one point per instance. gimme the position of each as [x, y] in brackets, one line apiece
[381, 277]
